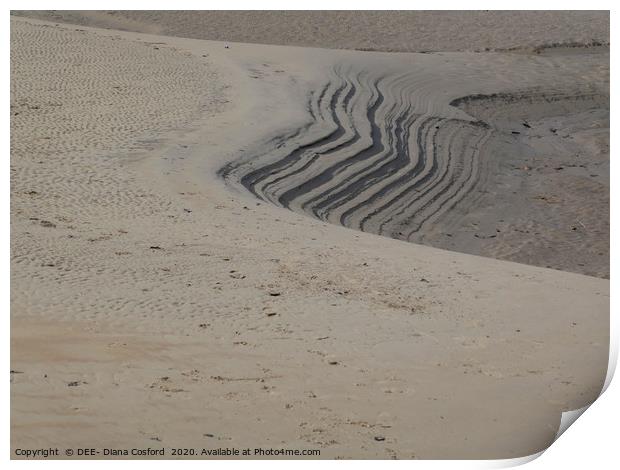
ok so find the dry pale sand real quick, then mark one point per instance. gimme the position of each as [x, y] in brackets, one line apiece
[157, 303]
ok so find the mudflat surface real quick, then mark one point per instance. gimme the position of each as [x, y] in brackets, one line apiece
[520, 172]
[395, 31]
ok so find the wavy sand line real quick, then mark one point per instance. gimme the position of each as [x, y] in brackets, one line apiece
[368, 161]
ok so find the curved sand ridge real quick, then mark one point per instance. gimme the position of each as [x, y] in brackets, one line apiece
[375, 170]
[389, 154]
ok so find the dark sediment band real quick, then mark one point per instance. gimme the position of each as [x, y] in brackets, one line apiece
[368, 159]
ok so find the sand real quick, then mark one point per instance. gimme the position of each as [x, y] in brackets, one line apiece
[156, 303]
[402, 31]
[387, 149]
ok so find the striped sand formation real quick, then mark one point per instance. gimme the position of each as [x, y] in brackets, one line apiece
[374, 163]
[391, 153]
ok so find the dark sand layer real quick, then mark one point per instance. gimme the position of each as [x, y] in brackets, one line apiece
[404, 31]
[520, 175]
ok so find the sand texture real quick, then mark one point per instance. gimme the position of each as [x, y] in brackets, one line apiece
[396, 31]
[220, 246]
[521, 177]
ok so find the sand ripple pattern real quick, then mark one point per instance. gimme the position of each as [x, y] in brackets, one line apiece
[369, 159]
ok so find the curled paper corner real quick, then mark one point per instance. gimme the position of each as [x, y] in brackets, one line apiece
[568, 418]
[514, 462]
